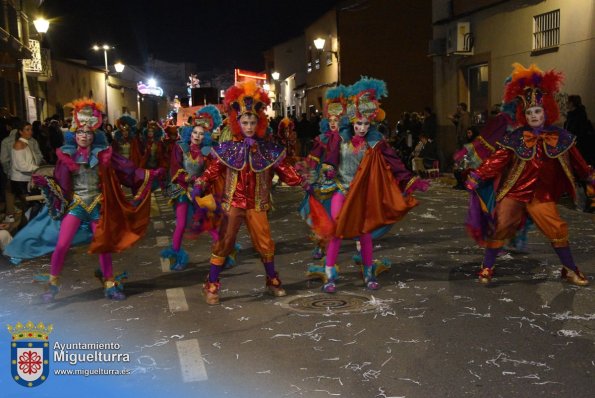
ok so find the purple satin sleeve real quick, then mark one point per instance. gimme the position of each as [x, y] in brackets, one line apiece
[176, 161]
[63, 178]
[317, 149]
[397, 167]
[128, 174]
[333, 150]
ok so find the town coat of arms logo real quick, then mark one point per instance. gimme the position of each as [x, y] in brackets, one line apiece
[30, 353]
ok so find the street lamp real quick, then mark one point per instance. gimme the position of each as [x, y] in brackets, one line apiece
[319, 44]
[41, 26]
[119, 66]
[105, 48]
[276, 76]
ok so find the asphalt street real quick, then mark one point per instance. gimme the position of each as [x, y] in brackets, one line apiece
[431, 331]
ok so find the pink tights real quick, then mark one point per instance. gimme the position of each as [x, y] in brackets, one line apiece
[332, 251]
[181, 214]
[70, 224]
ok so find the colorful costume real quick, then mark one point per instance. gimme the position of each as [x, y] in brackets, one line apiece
[248, 163]
[373, 187]
[124, 141]
[85, 193]
[152, 152]
[287, 138]
[321, 163]
[190, 157]
[170, 138]
[533, 167]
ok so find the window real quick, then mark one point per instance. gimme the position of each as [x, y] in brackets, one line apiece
[477, 84]
[546, 30]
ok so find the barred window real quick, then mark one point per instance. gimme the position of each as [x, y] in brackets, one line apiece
[546, 30]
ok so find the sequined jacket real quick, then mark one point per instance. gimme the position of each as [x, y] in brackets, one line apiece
[248, 167]
[535, 164]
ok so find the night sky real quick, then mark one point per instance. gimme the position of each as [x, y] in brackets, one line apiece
[210, 33]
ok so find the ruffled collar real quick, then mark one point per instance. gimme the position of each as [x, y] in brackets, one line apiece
[259, 154]
[517, 141]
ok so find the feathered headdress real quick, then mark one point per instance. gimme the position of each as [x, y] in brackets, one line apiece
[208, 117]
[334, 102]
[246, 98]
[157, 130]
[285, 123]
[126, 119]
[86, 113]
[533, 87]
[364, 99]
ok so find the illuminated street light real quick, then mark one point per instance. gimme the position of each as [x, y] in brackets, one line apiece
[41, 25]
[319, 43]
[275, 75]
[119, 66]
[105, 49]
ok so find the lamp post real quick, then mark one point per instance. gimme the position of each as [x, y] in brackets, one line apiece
[276, 75]
[105, 49]
[41, 26]
[319, 45]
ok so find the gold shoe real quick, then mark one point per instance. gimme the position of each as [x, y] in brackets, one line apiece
[485, 275]
[211, 292]
[576, 278]
[274, 287]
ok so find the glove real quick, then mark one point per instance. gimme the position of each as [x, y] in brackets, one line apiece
[39, 181]
[418, 185]
[472, 181]
[196, 193]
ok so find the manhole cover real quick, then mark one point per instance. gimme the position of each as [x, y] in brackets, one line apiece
[324, 303]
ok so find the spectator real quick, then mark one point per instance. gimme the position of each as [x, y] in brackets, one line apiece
[5, 152]
[302, 129]
[424, 154]
[429, 124]
[462, 120]
[579, 124]
[109, 133]
[24, 161]
[56, 140]
[40, 134]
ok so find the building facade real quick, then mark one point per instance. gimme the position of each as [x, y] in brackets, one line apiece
[476, 42]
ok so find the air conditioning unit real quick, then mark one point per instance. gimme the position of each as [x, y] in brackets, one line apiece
[459, 40]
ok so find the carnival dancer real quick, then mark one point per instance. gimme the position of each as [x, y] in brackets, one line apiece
[286, 137]
[170, 138]
[533, 167]
[248, 163]
[481, 147]
[85, 193]
[374, 187]
[124, 136]
[152, 149]
[321, 165]
[190, 158]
